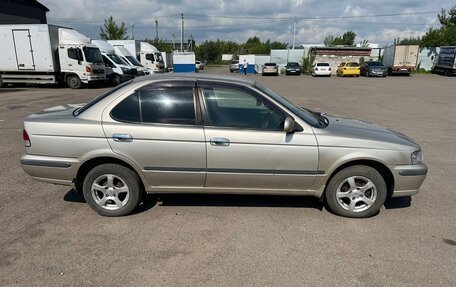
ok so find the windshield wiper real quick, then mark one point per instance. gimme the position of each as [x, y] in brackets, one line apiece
[322, 120]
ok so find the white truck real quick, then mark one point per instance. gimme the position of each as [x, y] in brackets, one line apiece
[401, 59]
[148, 55]
[445, 62]
[130, 59]
[117, 70]
[48, 54]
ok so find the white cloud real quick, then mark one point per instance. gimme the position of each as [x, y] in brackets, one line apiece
[212, 19]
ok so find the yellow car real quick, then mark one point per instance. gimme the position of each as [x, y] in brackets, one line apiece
[348, 69]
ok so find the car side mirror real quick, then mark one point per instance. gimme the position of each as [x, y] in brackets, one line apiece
[290, 126]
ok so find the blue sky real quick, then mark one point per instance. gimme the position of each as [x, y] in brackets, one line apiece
[238, 20]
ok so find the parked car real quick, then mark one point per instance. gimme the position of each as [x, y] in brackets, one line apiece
[321, 69]
[292, 68]
[234, 66]
[348, 69]
[198, 65]
[373, 68]
[211, 134]
[270, 69]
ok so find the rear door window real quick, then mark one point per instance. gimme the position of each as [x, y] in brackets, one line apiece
[170, 105]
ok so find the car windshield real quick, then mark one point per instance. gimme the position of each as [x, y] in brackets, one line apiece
[92, 55]
[375, 64]
[270, 64]
[134, 61]
[352, 64]
[312, 118]
[79, 111]
[322, 65]
[293, 65]
[116, 59]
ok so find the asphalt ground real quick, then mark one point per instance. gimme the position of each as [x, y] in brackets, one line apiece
[50, 237]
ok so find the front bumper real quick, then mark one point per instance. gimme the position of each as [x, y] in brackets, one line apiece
[378, 73]
[408, 179]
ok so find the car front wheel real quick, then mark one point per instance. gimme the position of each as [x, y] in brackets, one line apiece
[112, 190]
[356, 191]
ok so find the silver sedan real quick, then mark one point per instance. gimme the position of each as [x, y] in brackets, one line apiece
[209, 134]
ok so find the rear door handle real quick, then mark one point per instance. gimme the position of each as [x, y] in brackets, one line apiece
[219, 141]
[122, 138]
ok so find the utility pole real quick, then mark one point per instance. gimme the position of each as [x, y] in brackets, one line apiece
[294, 33]
[182, 32]
[174, 42]
[156, 30]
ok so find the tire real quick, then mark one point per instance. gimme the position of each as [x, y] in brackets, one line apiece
[116, 80]
[74, 82]
[116, 198]
[345, 197]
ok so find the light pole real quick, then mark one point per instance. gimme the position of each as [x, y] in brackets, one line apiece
[156, 30]
[182, 32]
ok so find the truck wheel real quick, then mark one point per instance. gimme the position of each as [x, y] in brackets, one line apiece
[112, 190]
[356, 191]
[116, 80]
[74, 82]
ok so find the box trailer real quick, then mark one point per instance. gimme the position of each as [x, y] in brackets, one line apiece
[148, 55]
[48, 54]
[445, 62]
[401, 59]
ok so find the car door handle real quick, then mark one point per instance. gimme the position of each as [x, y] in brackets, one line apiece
[122, 138]
[219, 141]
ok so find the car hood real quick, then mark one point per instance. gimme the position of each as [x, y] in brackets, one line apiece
[347, 132]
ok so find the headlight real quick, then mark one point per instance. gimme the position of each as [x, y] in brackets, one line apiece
[416, 157]
[125, 70]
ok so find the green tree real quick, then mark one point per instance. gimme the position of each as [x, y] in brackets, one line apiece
[160, 44]
[347, 39]
[111, 31]
[408, 41]
[364, 43]
[446, 34]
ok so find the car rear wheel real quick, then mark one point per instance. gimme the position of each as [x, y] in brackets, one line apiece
[112, 190]
[356, 191]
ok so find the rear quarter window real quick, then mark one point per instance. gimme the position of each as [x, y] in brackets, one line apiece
[127, 110]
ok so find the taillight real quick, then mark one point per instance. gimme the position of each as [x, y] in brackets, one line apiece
[26, 139]
[329, 69]
[88, 69]
[316, 69]
[157, 66]
[345, 68]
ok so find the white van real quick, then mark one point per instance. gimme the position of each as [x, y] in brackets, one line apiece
[117, 70]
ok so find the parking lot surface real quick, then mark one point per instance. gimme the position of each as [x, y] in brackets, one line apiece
[50, 237]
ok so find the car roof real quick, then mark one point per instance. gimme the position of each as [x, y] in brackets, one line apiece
[193, 77]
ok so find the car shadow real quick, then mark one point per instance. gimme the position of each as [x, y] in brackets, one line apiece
[148, 202]
[228, 200]
[399, 202]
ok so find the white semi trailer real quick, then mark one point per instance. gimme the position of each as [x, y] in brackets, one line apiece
[401, 59]
[148, 55]
[48, 54]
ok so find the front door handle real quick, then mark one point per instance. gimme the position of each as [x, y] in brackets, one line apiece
[122, 138]
[219, 141]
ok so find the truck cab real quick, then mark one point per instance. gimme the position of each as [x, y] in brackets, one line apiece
[131, 60]
[151, 58]
[117, 70]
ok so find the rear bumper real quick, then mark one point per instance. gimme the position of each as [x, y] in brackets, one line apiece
[408, 179]
[55, 170]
